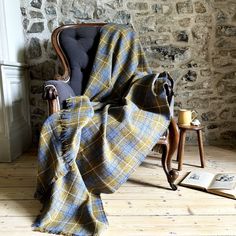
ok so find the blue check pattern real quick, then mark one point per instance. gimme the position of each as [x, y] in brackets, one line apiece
[94, 145]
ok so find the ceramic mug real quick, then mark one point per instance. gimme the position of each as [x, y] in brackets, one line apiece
[185, 117]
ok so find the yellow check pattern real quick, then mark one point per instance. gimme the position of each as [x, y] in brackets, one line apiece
[94, 145]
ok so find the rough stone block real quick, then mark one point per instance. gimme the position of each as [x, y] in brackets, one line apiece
[221, 16]
[203, 19]
[42, 71]
[233, 53]
[36, 14]
[212, 126]
[200, 32]
[65, 8]
[38, 111]
[229, 135]
[36, 3]
[165, 9]
[199, 7]
[226, 30]
[226, 87]
[83, 9]
[190, 76]
[157, 8]
[191, 64]
[51, 10]
[206, 72]
[225, 114]
[224, 43]
[231, 100]
[146, 24]
[184, 7]
[163, 29]
[35, 72]
[137, 6]
[230, 76]
[52, 24]
[48, 70]
[162, 39]
[198, 103]
[82, 14]
[171, 52]
[114, 4]
[36, 89]
[209, 116]
[50, 51]
[37, 27]
[234, 113]
[23, 11]
[122, 17]
[223, 62]
[181, 36]
[185, 22]
[34, 50]
[216, 102]
[25, 23]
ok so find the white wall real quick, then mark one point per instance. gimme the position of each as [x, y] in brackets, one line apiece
[11, 32]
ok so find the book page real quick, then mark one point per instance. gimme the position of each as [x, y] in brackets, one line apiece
[224, 181]
[198, 179]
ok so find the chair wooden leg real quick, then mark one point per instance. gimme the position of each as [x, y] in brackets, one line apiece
[180, 154]
[200, 144]
[173, 138]
[166, 163]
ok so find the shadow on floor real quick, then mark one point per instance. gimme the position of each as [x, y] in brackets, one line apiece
[134, 181]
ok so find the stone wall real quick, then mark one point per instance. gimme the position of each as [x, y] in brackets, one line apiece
[195, 40]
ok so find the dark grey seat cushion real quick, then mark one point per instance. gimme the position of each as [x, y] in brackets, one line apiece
[79, 45]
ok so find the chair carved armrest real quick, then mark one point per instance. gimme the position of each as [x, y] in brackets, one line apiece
[51, 95]
[56, 92]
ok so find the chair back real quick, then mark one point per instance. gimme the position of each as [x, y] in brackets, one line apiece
[76, 46]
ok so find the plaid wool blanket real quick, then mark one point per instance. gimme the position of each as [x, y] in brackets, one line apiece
[94, 145]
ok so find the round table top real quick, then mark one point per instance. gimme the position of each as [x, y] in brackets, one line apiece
[190, 127]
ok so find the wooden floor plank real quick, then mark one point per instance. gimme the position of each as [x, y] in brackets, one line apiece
[16, 181]
[17, 193]
[143, 206]
[173, 225]
[140, 225]
[19, 208]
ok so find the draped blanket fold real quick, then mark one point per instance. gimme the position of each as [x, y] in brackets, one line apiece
[94, 145]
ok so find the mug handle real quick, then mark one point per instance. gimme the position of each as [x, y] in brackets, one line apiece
[193, 115]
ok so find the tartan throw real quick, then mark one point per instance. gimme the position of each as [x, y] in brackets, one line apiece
[94, 145]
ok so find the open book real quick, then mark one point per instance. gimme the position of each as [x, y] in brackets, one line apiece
[221, 184]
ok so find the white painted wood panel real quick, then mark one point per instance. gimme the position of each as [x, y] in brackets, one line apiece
[15, 134]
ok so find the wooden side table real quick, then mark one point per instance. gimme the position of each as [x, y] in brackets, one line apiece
[183, 129]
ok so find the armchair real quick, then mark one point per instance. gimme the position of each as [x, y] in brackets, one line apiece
[76, 46]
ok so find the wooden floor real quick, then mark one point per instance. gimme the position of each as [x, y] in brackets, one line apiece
[143, 206]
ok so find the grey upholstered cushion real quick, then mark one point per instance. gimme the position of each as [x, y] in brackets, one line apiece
[79, 45]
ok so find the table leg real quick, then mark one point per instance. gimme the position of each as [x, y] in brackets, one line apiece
[181, 148]
[200, 144]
